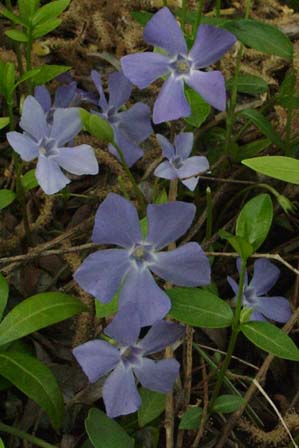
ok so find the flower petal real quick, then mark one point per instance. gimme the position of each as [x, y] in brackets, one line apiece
[274, 308]
[120, 89]
[78, 160]
[167, 222]
[23, 145]
[161, 335]
[159, 376]
[96, 358]
[33, 119]
[166, 171]
[49, 175]
[144, 68]
[163, 31]
[64, 95]
[171, 103]
[233, 284]
[191, 183]
[98, 83]
[120, 392]
[211, 86]
[255, 315]
[116, 222]
[167, 148]
[265, 275]
[42, 95]
[125, 327]
[210, 45]
[193, 165]
[185, 266]
[66, 125]
[136, 122]
[183, 143]
[140, 288]
[101, 273]
[131, 152]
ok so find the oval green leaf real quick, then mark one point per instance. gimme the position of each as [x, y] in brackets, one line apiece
[153, 404]
[36, 381]
[278, 167]
[6, 198]
[4, 121]
[271, 339]
[104, 432]
[224, 404]
[37, 312]
[255, 219]
[191, 418]
[199, 308]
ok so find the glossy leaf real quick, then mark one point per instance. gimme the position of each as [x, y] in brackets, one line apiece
[191, 418]
[48, 72]
[255, 219]
[200, 110]
[153, 404]
[6, 198]
[45, 28]
[4, 121]
[29, 180]
[4, 291]
[224, 404]
[278, 167]
[107, 309]
[261, 36]
[35, 380]
[37, 312]
[105, 432]
[243, 247]
[50, 10]
[17, 35]
[264, 125]
[271, 339]
[199, 308]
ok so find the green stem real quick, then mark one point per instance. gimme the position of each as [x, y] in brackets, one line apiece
[218, 8]
[198, 17]
[209, 226]
[28, 50]
[288, 132]
[247, 8]
[25, 436]
[139, 195]
[184, 14]
[165, 3]
[233, 338]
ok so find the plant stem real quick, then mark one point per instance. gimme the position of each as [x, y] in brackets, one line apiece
[184, 14]
[198, 17]
[218, 8]
[165, 3]
[209, 226]
[139, 195]
[233, 338]
[25, 436]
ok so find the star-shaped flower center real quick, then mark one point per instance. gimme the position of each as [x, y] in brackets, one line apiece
[131, 355]
[142, 254]
[181, 65]
[48, 147]
[177, 162]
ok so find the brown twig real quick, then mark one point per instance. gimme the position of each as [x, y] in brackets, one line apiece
[204, 416]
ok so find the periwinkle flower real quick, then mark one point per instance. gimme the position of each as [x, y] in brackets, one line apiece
[46, 141]
[182, 66]
[179, 165]
[129, 269]
[130, 127]
[264, 307]
[129, 359]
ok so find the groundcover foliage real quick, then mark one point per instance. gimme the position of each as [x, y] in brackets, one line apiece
[149, 235]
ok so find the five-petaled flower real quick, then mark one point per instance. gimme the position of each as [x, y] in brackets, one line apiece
[129, 269]
[46, 141]
[179, 165]
[264, 277]
[182, 66]
[129, 358]
[130, 127]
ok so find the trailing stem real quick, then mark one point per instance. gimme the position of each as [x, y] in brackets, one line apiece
[25, 436]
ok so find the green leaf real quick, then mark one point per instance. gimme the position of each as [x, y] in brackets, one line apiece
[279, 167]
[261, 36]
[12, 17]
[240, 245]
[27, 8]
[1, 443]
[29, 180]
[17, 35]
[4, 291]
[153, 404]
[271, 339]
[264, 125]
[224, 404]
[199, 308]
[35, 380]
[142, 17]
[6, 198]
[107, 309]
[100, 128]
[45, 28]
[104, 432]
[191, 418]
[255, 219]
[28, 75]
[37, 312]
[50, 10]
[48, 72]
[252, 149]
[4, 121]
[250, 84]
[200, 110]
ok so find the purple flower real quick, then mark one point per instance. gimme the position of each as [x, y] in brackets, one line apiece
[46, 142]
[265, 276]
[179, 164]
[164, 32]
[129, 269]
[130, 127]
[129, 358]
